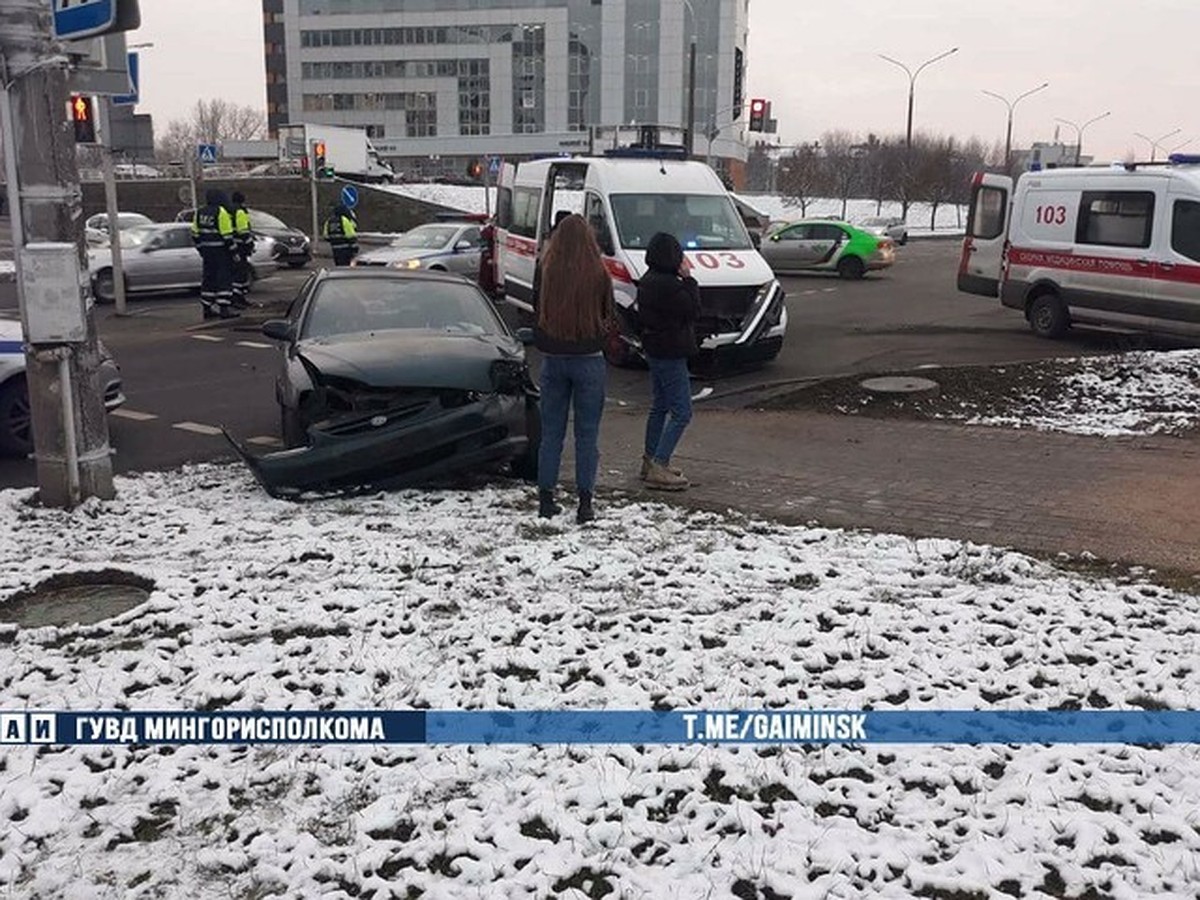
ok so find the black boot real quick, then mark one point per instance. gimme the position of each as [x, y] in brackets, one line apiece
[547, 508]
[585, 512]
[227, 312]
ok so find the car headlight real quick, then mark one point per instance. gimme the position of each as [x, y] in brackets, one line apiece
[413, 264]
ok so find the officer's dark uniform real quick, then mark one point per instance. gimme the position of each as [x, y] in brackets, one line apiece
[341, 231]
[243, 249]
[212, 233]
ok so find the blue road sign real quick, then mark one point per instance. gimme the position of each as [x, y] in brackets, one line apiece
[131, 98]
[494, 165]
[206, 153]
[74, 19]
[349, 196]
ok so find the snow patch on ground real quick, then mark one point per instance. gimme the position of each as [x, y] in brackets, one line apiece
[465, 600]
[1140, 392]
[8, 267]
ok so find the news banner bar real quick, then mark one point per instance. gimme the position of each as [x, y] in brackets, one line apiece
[601, 727]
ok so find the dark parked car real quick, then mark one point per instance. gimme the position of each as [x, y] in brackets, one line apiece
[292, 246]
[390, 379]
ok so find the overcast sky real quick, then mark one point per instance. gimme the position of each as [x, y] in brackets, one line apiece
[818, 62]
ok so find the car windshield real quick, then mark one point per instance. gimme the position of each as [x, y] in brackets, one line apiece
[426, 237]
[699, 221]
[354, 305]
[260, 219]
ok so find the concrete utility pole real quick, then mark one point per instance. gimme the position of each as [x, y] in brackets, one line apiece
[70, 431]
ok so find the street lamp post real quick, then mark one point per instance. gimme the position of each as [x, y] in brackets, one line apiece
[1156, 144]
[912, 81]
[1011, 104]
[689, 133]
[1079, 129]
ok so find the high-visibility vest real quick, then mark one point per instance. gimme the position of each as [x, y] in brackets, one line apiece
[212, 227]
[340, 231]
[241, 228]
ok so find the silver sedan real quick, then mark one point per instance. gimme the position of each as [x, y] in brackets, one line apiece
[163, 258]
[437, 247]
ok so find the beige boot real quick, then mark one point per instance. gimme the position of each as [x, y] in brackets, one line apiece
[648, 461]
[661, 478]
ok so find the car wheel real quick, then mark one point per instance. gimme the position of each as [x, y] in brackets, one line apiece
[851, 268]
[1048, 316]
[16, 423]
[292, 429]
[525, 466]
[104, 286]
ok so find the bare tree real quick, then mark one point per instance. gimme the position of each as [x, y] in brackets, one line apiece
[800, 176]
[843, 163]
[210, 122]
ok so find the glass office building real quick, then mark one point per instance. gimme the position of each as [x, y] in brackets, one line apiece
[439, 83]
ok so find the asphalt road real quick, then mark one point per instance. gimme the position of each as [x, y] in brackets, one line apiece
[184, 379]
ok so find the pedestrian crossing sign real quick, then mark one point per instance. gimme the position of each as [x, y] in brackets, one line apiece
[206, 153]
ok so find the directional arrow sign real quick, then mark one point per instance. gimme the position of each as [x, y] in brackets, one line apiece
[131, 98]
[79, 18]
[493, 165]
[349, 197]
[206, 153]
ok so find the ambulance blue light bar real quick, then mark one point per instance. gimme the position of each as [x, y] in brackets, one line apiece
[1184, 159]
[663, 151]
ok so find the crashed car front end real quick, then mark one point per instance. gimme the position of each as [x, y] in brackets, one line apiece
[361, 434]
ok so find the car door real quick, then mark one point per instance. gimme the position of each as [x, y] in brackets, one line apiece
[177, 263]
[788, 248]
[1175, 293]
[465, 260]
[825, 243]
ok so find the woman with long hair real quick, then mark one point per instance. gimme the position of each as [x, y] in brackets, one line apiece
[573, 303]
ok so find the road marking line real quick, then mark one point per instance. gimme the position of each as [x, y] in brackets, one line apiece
[257, 345]
[265, 440]
[197, 428]
[208, 337]
[133, 415]
[828, 290]
[810, 292]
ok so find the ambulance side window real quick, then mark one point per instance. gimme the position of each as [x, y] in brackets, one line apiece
[1115, 218]
[1185, 229]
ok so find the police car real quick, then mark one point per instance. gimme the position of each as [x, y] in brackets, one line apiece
[16, 435]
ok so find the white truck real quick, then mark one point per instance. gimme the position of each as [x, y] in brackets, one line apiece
[348, 151]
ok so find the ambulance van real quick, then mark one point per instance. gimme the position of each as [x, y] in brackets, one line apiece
[1116, 247]
[628, 196]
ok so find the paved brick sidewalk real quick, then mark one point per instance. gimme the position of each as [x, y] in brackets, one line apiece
[1130, 500]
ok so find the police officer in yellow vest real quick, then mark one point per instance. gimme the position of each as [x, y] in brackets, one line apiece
[243, 249]
[341, 230]
[212, 233]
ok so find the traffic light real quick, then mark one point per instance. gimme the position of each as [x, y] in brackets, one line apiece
[83, 118]
[758, 115]
[474, 169]
[320, 168]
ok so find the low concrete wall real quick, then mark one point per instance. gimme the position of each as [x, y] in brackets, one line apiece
[287, 198]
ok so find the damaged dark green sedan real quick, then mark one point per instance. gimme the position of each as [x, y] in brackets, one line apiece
[396, 379]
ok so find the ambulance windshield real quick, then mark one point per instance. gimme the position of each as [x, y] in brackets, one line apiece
[699, 221]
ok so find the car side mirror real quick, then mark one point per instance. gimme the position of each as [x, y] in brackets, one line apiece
[755, 239]
[152, 245]
[463, 245]
[278, 330]
[524, 335]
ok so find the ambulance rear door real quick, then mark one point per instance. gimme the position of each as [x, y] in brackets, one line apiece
[980, 268]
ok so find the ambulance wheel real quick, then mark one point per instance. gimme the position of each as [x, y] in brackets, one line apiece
[1048, 316]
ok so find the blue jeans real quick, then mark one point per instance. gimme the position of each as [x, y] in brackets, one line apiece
[672, 397]
[571, 382]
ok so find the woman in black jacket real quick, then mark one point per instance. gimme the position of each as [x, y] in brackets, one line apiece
[668, 302]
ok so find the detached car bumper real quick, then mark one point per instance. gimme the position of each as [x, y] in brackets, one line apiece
[400, 448]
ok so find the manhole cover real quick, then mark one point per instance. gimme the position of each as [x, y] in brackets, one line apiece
[898, 384]
[76, 598]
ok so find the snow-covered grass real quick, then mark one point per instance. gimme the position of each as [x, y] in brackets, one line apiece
[1140, 392]
[461, 600]
[7, 267]
[949, 218]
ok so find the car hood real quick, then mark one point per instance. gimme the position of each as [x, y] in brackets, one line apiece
[411, 358]
[390, 255]
[281, 234]
[715, 268]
